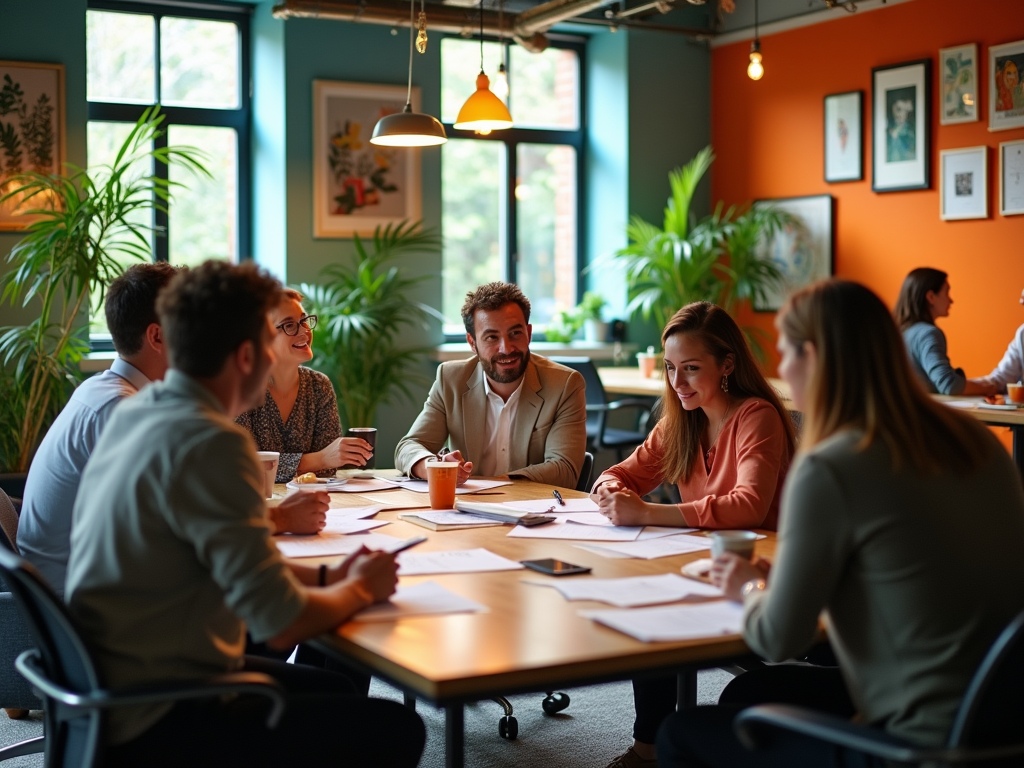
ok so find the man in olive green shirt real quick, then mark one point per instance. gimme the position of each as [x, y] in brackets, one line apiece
[172, 557]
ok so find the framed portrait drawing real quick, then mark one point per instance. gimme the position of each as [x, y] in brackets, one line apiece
[357, 185]
[963, 187]
[959, 72]
[803, 250]
[901, 130]
[1011, 178]
[31, 129]
[1006, 89]
[844, 137]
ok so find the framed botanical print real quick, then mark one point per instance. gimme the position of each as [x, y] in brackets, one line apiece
[802, 251]
[901, 127]
[358, 185]
[844, 137]
[959, 75]
[1006, 86]
[1011, 178]
[963, 186]
[31, 129]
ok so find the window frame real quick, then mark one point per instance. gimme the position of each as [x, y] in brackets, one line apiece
[512, 138]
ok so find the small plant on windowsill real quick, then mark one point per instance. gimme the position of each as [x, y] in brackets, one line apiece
[586, 315]
[84, 222]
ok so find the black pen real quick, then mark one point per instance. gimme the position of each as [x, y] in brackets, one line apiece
[558, 497]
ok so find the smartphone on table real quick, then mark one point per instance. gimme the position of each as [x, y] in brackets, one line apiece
[554, 567]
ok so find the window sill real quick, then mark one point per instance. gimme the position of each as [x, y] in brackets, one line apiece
[95, 362]
[593, 350]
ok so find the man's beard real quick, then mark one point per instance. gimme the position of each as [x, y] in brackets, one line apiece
[506, 377]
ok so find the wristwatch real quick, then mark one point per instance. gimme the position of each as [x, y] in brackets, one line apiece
[754, 585]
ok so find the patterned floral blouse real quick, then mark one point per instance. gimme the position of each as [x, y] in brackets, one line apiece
[312, 425]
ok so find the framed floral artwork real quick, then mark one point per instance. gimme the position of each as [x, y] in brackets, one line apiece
[357, 185]
[1006, 86]
[802, 251]
[31, 129]
[901, 127]
[844, 137]
[959, 73]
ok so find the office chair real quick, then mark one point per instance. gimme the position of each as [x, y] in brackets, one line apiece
[599, 435]
[583, 484]
[75, 702]
[987, 728]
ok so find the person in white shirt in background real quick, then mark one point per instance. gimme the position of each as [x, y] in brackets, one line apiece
[1011, 368]
[44, 528]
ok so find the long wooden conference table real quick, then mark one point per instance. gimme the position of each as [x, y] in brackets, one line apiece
[529, 639]
[628, 381]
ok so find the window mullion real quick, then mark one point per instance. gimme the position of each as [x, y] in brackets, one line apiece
[161, 239]
[511, 228]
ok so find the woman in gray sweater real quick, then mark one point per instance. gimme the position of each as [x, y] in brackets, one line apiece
[873, 533]
[924, 298]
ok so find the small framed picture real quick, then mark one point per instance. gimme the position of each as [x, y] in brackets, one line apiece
[901, 130]
[1006, 91]
[963, 191]
[1011, 178]
[844, 137]
[959, 73]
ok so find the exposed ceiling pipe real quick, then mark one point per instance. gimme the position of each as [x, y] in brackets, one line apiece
[529, 25]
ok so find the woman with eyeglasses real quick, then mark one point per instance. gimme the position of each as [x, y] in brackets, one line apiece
[299, 415]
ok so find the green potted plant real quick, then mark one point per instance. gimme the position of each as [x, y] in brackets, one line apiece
[85, 224]
[589, 310]
[684, 260]
[364, 308]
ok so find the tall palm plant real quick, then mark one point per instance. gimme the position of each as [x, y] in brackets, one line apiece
[86, 224]
[364, 309]
[714, 259]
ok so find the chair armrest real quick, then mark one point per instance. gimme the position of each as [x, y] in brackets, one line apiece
[629, 402]
[752, 726]
[255, 683]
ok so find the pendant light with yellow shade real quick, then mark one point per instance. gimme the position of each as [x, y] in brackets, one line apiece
[483, 112]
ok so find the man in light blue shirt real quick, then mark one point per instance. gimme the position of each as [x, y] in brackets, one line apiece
[44, 530]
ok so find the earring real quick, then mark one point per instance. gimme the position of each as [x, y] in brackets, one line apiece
[725, 383]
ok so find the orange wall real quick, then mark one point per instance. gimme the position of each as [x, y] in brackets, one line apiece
[767, 136]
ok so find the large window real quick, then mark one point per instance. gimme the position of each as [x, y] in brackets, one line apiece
[511, 199]
[194, 63]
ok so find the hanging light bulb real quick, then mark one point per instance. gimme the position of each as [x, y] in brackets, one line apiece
[483, 112]
[755, 69]
[408, 128]
[500, 87]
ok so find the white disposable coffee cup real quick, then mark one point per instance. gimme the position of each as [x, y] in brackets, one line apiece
[269, 461]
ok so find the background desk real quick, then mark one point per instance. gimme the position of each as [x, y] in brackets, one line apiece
[531, 639]
[628, 381]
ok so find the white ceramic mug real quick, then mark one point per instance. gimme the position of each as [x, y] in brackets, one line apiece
[269, 461]
[737, 542]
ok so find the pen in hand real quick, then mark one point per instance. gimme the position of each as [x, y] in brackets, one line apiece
[558, 497]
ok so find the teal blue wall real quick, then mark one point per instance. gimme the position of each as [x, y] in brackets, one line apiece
[30, 31]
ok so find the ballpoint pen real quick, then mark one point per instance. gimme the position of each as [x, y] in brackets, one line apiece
[558, 497]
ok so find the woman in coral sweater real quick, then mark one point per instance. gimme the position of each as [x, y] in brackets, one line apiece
[726, 442]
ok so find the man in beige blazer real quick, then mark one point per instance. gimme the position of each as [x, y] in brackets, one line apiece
[503, 412]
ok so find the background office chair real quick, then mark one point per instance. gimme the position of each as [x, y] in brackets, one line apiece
[61, 668]
[583, 484]
[599, 435]
[987, 728]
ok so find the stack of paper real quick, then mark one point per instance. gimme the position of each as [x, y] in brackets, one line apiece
[456, 561]
[633, 591]
[650, 548]
[327, 544]
[577, 531]
[447, 520]
[549, 505]
[428, 598]
[473, 485]
[674, 622]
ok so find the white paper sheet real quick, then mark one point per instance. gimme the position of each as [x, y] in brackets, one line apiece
[544, 505]
[454, 561]
[427, 598]
[351, 526]
[665, 546]
[325, 545]
[352, 513]
[453, 517]
[674, 622]
[472, 485]
[633, 591]
[569, 530]
[364, 485]
[660, 531]
[585, 518]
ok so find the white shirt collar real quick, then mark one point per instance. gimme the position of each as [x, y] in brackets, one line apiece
[129, 373]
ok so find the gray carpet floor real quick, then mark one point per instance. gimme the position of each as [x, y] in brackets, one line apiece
[593, 730]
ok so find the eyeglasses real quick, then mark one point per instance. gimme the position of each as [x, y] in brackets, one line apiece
[291, 327]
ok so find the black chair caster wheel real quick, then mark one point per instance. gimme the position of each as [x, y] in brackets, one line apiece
[508, 728]
[555, 703]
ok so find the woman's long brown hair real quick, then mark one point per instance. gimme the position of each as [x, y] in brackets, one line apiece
[863, 381]
[912, 303]
[720, 336]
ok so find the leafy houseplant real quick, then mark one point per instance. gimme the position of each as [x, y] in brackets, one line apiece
[714, 259]
[83, 222]
[566, 324]
[364, 308]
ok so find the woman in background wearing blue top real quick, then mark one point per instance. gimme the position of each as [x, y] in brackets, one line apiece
[924, 298]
